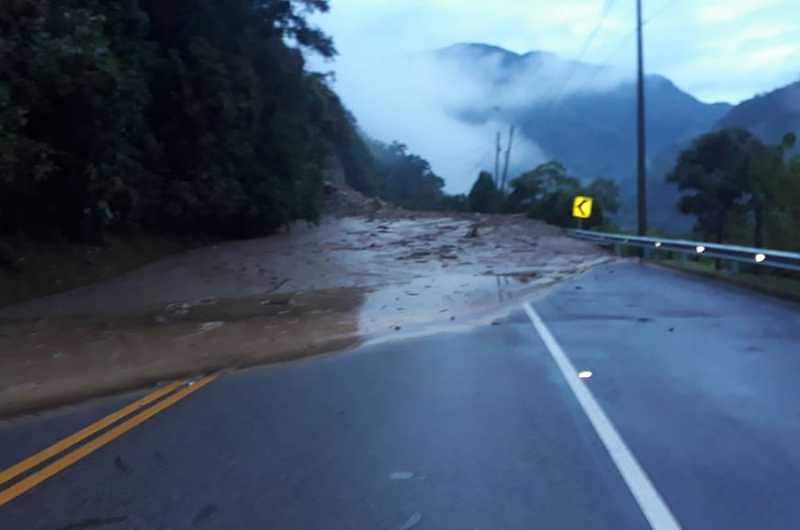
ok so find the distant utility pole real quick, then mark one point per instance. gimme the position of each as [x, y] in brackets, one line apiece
[508, 157]
[497, 161]
[641, 179]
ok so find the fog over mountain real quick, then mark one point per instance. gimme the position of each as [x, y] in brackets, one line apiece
[580, 114]
[769, 116]
[448, 105]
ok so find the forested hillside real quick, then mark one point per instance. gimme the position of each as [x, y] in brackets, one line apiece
[741, 181]
[578, 113]
[183, 116]
[769, 116]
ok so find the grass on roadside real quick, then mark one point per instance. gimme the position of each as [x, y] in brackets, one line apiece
[33, 268]
[780, 284]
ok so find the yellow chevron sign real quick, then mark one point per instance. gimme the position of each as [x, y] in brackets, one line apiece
[582, 207]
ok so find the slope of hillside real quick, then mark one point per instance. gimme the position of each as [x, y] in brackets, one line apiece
[768, 116]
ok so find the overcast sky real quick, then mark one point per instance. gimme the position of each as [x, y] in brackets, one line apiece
[718, 50]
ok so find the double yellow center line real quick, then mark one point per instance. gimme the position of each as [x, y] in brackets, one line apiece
[36, 478]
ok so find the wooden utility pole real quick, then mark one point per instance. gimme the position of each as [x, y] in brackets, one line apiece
[641, 178]
[497, 161]
[508, 157]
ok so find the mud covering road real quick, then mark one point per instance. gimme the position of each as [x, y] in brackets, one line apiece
[311, 290]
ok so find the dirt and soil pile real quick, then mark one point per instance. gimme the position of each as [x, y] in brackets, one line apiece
[343, 201]
[368, 269]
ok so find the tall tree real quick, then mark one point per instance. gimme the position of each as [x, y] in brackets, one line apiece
[186, 115]
[766, 183]
[605, 193]
[715, 176]
[790, 203]
[547, 193]
[484, 197]
[408, 179]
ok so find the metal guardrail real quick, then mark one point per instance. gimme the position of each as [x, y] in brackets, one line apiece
[737, 254]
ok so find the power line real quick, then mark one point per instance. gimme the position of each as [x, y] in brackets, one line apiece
[508, 158]
[609, 4]
[641, 133]
[497, 158]
[626, 39]
[585, 48]
[556, 101]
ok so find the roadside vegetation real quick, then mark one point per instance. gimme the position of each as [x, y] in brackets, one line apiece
[35, 268]
[128, 127]
[741, 190]
[782, 284]
[545, 193]
[131, 121]
[182, 117]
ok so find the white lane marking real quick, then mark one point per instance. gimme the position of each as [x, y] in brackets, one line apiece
[647, 497]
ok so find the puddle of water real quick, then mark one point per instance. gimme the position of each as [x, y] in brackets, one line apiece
[451, 297]
[278, 298]
[55, 361]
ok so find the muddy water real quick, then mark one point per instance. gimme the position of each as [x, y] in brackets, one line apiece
[307, 292]
[51, 361]
[431, 300]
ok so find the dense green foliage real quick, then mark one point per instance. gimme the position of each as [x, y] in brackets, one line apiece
[715, 169]
[769, 115]
[547, 193]
[348, 144]
[484, 197]
[592, 132]
[182, 116]
[455, 203]
[406, 179]
[740, 189]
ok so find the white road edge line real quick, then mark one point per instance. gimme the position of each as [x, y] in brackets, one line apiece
[647, 497]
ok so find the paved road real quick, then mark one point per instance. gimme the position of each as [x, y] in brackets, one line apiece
[476, 430]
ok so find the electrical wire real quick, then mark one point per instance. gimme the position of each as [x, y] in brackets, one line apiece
[626, 39]
[480, 161]
[585, 48]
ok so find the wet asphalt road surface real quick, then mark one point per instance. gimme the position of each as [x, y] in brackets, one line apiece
[469, 430]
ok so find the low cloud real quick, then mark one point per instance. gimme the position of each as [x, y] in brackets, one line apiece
[728, 50]
[704, 59]
[412, 99]
[449, 107]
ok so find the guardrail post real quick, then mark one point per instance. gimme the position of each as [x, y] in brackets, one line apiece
[683, 257]
[733, 267]
[618, 250]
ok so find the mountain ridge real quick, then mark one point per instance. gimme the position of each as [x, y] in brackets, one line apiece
[769, 115]
[581, 114]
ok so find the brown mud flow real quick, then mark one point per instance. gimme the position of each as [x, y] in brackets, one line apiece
[310, 291]
[52, 361]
